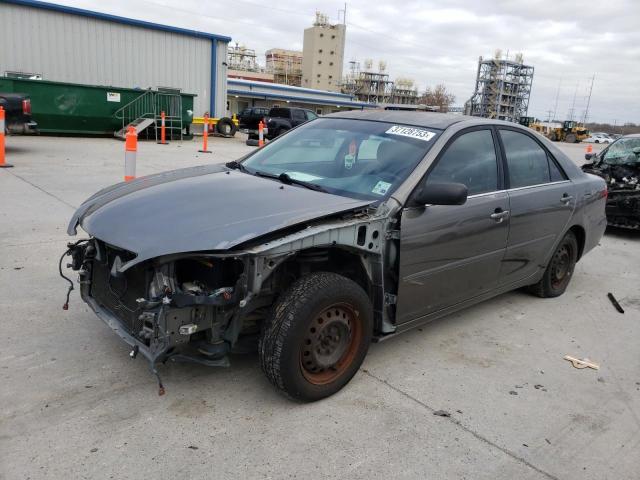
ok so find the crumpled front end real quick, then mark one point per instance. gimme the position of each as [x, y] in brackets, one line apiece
[623, 200]
[175, 309]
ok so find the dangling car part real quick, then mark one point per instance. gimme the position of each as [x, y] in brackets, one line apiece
[349, 229]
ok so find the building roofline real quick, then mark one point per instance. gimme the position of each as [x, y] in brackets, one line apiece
[276, 86]
[318, 101]
[116, 19]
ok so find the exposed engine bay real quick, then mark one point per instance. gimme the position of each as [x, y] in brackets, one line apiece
[202, 306]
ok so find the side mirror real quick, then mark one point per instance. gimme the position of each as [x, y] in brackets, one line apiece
[439, 194]
[589, 157]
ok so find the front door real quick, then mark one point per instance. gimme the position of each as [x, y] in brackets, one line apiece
[452, 253]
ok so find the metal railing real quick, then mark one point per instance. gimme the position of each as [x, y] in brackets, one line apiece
[150, 105]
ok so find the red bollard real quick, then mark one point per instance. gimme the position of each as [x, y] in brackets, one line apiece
[130, 153]
[205, 134]
[3, 164]
[163, 136]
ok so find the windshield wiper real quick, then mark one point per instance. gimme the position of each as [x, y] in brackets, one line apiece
[288, 180]
[235, 166]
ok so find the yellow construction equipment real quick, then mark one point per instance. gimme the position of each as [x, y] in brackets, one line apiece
[569, 131]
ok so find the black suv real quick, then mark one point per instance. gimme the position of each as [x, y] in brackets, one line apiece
[282, 119]
[251, 116]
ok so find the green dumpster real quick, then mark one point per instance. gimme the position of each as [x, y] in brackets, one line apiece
[71, 108]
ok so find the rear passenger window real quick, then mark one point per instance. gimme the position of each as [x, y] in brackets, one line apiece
[527, 161]
[470, 160]
[554, 171]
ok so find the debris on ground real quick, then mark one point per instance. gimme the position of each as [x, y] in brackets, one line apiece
[547, 440]
[192, 447]
[18, 268]
[459, 411]
[601, 379]
[513, 392]
[615, 302]
[442, 413]
[540, 387]
[93, 450]
[581, 363]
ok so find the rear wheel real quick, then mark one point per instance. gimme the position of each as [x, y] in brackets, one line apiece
[317, 337]
[559, 270]
[571, 138]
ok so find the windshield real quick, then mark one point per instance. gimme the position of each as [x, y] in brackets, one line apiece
[623, 151]
[354, 158]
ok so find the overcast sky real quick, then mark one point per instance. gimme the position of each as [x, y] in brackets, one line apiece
[440, 42]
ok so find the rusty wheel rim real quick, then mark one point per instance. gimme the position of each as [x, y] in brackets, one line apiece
[561, 266]
[330, 344]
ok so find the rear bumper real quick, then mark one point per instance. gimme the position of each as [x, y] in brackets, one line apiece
[29, 127]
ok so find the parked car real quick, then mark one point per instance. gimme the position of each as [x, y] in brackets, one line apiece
[619, 166]
[17, 108]
[598, 138]
[283, 119]
[251, 116]
[351, 228]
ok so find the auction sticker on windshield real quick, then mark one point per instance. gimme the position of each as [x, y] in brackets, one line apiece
[411, 132]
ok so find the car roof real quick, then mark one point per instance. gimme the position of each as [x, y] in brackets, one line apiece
[419, 119]
[631, 135]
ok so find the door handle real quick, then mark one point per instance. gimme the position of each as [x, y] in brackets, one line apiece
[499, 215]
[566, 198]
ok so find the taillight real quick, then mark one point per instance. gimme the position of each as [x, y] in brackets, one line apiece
[26, 106]
[604, 193]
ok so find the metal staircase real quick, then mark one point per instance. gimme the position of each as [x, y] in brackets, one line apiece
[145, 111]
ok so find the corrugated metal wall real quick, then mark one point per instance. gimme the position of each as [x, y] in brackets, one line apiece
[71, 48]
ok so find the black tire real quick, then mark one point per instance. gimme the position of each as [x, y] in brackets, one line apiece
[225, 126]
[570, 138]
[324, 312]
[559, 271]
[252, 142]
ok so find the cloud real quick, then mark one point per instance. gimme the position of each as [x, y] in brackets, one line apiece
[440, 42]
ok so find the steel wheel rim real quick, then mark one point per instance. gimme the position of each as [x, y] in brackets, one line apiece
[561, 266]
[331, 343]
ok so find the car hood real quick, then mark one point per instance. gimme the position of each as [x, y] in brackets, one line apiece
[198, 209]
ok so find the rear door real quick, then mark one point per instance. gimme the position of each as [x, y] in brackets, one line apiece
[297, 117]
[541, 201]
[449, 254]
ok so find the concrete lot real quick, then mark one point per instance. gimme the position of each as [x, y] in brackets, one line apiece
[73, 405]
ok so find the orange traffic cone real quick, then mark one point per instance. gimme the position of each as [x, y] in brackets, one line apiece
[3, 164]
[130, 153]
[589, 148]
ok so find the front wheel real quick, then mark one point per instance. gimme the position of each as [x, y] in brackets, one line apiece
[317, 336]
[559, 270]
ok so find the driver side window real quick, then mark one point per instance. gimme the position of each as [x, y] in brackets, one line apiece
[470, 160]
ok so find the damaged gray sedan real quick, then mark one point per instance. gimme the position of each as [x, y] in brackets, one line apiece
[348, 229]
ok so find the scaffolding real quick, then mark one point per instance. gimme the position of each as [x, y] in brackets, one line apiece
[503, 88]
[242, 58]
[286, 66]
[372, 86]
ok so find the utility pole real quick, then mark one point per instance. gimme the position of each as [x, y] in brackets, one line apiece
[573, 105]
[344, 14]
[586, 111]
[549, 112]
[555, 108]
